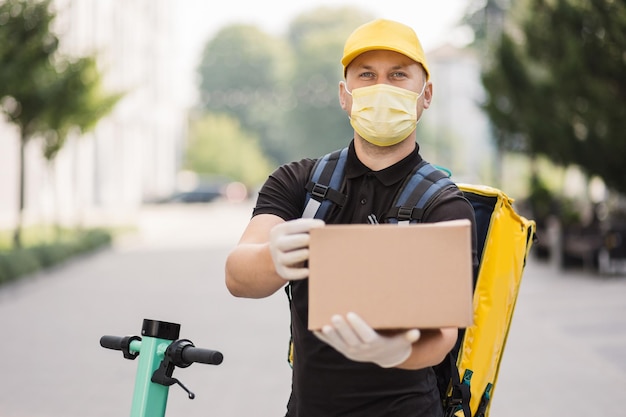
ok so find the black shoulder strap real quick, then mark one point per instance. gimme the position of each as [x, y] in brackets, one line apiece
[417, 192]
[323, 189]
[458, 395]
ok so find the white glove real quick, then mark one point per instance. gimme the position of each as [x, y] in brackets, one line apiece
[356, 340]
[289, 246]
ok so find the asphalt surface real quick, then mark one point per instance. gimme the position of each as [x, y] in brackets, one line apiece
[565, 353]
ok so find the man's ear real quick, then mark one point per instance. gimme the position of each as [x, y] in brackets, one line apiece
[428, 94]
[344, 98]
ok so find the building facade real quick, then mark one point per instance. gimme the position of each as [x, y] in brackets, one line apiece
[134, 153]
[459, 132]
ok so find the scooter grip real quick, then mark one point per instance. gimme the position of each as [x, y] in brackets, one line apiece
[111, 342]
[210, 357]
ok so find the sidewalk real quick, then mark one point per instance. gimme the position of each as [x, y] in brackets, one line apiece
[565, 351]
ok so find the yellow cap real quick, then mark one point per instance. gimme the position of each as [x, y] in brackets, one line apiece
[387, 35]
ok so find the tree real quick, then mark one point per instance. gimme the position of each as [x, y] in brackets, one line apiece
[80, 103]
[317, 124]
[242, 73]
[43, 93]
[556, 86]
[283, 90]
[219, 146]
[26, 47]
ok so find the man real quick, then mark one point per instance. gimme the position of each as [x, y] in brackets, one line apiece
[347, 368]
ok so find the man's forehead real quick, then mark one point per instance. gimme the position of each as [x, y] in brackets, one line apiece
[372, 59]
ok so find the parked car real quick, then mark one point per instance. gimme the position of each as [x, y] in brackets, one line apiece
[201, 194]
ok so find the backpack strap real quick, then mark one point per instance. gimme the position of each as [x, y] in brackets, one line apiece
[323, 190]
[418, 190]
[481, 411]
[457, 401]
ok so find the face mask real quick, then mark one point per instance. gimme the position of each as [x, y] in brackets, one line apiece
[383, 114]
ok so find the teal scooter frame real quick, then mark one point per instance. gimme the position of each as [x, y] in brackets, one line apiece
[160, 352]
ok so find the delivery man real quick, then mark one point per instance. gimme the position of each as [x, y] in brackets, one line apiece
[348, 368]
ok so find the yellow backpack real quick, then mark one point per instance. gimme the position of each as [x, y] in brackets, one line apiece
[503, 250]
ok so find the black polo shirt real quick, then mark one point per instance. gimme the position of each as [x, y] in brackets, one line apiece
[325, 383]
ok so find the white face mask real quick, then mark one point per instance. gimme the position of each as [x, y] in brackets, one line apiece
[383, 114]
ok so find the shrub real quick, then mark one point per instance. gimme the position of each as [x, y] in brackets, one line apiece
[20, 262]
[16, 263]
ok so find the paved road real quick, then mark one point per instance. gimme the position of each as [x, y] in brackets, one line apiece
[565, 354]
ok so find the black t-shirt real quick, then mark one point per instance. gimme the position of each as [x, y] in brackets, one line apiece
[325, 383]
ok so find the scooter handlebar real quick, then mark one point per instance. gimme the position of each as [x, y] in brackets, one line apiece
[207, 356]
[189, 353]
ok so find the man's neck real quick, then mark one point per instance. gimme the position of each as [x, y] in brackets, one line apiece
[378, 158]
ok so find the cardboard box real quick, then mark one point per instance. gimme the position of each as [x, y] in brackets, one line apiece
[394, 277]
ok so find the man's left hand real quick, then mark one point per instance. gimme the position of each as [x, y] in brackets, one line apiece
[356, 340]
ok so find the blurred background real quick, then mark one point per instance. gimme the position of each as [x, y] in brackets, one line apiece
[149, 116]
[106, 108]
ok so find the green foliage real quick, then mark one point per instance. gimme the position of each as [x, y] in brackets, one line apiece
[26, 74]
[242, 73]
[80, 103]
[218, 145]
[45, 254]
[41, 91]
[17, 263]
[556, 88]
[316, 122]
[283, 90]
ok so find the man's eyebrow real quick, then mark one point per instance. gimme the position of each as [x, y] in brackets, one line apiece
[370, 67]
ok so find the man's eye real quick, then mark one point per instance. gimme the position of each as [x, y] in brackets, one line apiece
[398, 74]
[367, 74]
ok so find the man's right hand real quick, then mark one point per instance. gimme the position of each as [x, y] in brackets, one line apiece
[289, 246]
